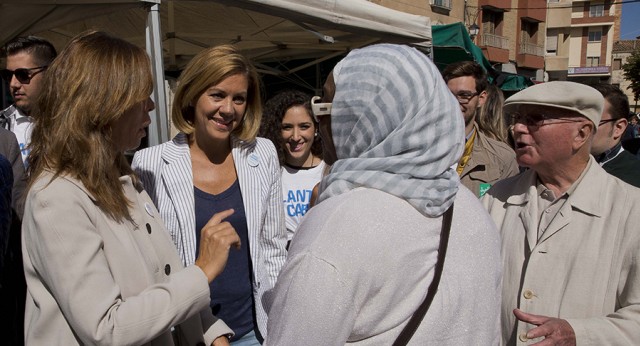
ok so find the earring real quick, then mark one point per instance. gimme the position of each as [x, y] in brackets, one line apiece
[316, 134]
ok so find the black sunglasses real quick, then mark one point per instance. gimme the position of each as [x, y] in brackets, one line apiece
[23, 75]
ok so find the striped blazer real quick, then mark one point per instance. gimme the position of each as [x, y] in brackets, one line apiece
[166, 173]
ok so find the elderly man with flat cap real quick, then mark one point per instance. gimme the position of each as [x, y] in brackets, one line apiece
[570, 238]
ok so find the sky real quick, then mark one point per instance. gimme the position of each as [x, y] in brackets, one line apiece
[630, 26]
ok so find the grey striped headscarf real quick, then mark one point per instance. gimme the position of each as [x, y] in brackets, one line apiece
[396, 128]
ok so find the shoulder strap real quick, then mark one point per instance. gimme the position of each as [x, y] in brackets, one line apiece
[417, 317]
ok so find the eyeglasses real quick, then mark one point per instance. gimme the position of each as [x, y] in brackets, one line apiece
[602, 122]
[23, 75]
[538, 119]
[465, 96]
[319, 108]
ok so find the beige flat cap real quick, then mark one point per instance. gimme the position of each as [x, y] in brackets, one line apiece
[571, 96]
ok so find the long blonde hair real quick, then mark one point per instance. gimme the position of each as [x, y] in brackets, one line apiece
[93, 81]
[490, 117]
[210, 67]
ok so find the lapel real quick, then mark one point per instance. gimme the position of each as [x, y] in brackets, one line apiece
[559, 221]
[529, 211]
[247, 163]
[528, 215]
[177, 177]
[479, 158]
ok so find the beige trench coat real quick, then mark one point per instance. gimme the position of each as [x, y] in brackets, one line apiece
[94, 281]
[586, 266]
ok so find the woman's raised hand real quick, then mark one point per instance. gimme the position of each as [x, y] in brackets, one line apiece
[216, 238]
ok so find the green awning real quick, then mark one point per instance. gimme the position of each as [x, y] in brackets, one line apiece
[451, 43]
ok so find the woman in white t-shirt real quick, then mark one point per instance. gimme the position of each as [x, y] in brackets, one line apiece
[287, 121]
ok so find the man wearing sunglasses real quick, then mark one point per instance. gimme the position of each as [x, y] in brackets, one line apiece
[607, 142]
[27, 58]
[484, 160]
[570, 240]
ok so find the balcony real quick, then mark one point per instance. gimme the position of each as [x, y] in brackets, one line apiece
[496, 41]
[495, 47]
[499, 5]
[533, 49]
[530, 56]
[533, 10]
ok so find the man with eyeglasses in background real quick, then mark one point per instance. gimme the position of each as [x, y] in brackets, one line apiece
[484, 160]
[607, 142]
[27, 58]
[569, 230]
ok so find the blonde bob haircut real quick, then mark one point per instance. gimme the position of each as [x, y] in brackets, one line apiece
[210, 67]
[93, 81]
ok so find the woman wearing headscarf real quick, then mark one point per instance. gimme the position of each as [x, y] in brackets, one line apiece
[100, 266]
[363, 258]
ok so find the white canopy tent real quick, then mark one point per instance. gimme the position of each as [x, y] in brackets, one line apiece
[174, 31]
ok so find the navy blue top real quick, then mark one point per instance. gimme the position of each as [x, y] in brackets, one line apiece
[231, 292]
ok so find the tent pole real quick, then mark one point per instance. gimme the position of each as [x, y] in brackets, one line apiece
[159, 128]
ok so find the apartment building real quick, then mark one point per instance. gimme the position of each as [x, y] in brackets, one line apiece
[511, 33]
[541, 39]
[580, 38]
[621, 51]
[439, 11]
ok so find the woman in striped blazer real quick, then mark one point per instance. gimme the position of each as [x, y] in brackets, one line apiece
[215, 163]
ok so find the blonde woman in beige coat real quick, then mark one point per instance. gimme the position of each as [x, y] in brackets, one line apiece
[100, 267]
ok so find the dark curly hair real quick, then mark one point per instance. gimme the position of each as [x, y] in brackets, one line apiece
[273, 114]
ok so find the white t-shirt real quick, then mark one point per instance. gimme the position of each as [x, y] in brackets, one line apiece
[297, 185]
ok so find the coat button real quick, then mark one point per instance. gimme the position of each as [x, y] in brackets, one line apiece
[167, 269]
[148, 228]
[528, 294]
[523, 337]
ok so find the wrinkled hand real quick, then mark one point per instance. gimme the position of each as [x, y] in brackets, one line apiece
[221, 341]
[555, 331]
[216, 238]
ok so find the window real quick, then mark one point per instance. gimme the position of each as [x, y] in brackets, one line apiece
[442, 3]
[617, 64]
[528, 31]
[491, 21]
[595, 36]
[596, 10]
[552, 42]
[593, 61]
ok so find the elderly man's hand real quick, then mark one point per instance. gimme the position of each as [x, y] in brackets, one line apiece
[555, 331]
